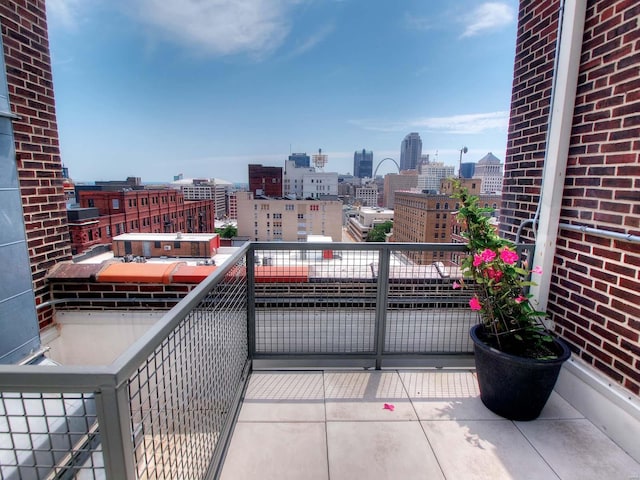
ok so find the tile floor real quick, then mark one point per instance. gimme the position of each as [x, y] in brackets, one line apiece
[334, 425]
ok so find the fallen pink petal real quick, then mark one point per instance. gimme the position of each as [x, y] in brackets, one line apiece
[389, 406]
[456, 285]
[537, 270]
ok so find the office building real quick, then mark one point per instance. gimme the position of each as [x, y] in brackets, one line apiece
[363, 164]
[489, 169]
[301, 160]
[432, 174]
[410, 151]
[394, 182]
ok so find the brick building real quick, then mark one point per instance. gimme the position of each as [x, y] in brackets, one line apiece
[265, 180]
[37, 155]
[427, 218]
[106, 214]
[590, 144]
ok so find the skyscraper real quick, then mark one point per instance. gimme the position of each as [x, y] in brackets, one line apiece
[410, 151]
[301, 159]
[363, 164]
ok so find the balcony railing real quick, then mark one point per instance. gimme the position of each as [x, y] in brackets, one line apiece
[165, 408]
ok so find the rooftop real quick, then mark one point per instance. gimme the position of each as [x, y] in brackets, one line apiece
[407, 424]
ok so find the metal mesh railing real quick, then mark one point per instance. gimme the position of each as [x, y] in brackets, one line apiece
[49, 435]
[182, 395]
[359, 300]
[315, 301]
[165, 408]
[424, 314]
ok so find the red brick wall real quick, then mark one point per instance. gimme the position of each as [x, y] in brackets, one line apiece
[595, 289]
[530, 99]
[28, 65]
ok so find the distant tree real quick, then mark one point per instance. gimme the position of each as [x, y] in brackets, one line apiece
[227, 232]
[378, 233]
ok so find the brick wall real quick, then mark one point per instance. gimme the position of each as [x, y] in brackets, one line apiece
[28, 65]
[530, 100]
[595, 289]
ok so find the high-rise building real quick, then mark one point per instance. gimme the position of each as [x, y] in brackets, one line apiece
[300, 159]
[265, 180]
[363, 164]
[410, 151]
[489, 169]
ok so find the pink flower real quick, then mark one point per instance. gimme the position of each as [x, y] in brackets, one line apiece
[520, 299]
[537, 270]
[477, 260]
[494, 274]
[456, 285]
[475, 304]
[488, 255]
[508, 256]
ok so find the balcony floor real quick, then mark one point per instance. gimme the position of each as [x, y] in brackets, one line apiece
[334, 425]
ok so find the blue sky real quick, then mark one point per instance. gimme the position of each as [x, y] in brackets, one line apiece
[153, 88]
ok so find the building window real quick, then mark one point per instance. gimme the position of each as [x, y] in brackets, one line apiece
[157, 245]
[289, 207]
[301, 216]
[176, 244]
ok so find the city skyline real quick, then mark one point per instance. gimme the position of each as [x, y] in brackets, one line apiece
[153, 89]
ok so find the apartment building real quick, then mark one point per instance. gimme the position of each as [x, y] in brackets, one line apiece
[278, 219]
[103, 215]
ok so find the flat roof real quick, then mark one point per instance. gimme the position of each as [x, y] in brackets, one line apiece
[166, 237]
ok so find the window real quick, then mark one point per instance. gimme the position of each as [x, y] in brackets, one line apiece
[176, 244]
[157, 245]
[277, 215]
[438, 206]
[289, 207]
[301, 216]
[108, 230]
[90, 235]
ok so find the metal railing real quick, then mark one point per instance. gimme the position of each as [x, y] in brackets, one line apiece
[165, 408]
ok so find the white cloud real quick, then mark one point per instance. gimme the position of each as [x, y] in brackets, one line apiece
[64, 12]
[472, 123]
[312, 40]
[488, 16]
[221, 27]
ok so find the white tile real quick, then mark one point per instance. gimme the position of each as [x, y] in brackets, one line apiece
[445, 395]
[284, 397]
[277, 451]
[576, 449]
[380, 451]
[485, 449]
[363, 395]
[558, 408]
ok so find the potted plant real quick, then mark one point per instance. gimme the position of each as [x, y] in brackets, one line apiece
[518, 360]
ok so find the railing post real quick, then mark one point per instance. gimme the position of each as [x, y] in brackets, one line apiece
[381, 302]
[251, 301]
[114, 420]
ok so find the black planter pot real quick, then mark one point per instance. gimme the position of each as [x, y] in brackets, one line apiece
[514, 387]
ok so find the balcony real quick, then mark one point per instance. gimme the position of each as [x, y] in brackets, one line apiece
[355, 366]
